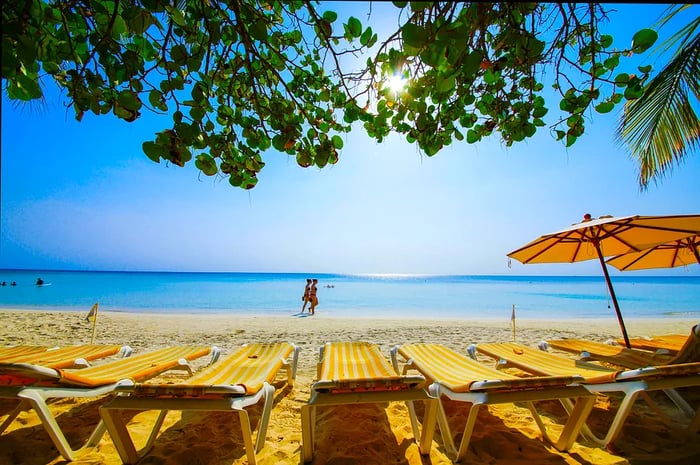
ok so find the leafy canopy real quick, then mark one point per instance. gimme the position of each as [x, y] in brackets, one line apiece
[241, 78]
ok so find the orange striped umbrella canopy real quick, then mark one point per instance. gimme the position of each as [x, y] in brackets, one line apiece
[681, 252]
[614, 236]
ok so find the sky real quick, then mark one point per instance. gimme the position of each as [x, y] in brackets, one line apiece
[83, 196]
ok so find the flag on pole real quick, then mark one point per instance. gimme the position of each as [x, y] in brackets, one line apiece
[92, 318]
[512, 321]
[92, 314]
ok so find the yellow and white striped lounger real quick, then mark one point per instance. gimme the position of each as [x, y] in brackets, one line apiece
[355, 373]
[459, 378]
[670, 342]
[632, 358]
[33, 385]
[600, 379]
[619, 355]
[240, 380]
[69, 357]
[11, 352]
[612, 354]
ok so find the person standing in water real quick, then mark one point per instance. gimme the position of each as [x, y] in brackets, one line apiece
[312, 297]
[307, 292]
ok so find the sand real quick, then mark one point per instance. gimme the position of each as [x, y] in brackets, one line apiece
[362, 434]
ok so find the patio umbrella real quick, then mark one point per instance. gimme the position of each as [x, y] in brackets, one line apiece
[607, 236]
[668, 255]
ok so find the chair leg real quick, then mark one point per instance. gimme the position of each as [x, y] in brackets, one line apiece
[308, 420]
[429, 421]
[247, 435]
[468, 430]
[445, 432]
[120, 435]
[572, 428]
[22, 406]
[268, 397]
[38, 403]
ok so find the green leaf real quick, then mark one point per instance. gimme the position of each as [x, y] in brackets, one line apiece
[644, 69]
[445, 84]
[330, 16]
[634, 92]
[612, 62]
[152, 150]
[606, 40]
[539, 112]
[206, 165]
[177, 17]
[472, 136]
[259, 30]
[414, 35]
[129, 100]
[119, 27]
[472, 62]
[622, 79]
[179, 54]
[604, 107]
[366, 37]
[337, 142]
[643, 39]
[355, 27]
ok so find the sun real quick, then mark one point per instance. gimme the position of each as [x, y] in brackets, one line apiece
[396, 83]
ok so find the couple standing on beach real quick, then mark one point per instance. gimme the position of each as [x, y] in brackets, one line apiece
[309, 296]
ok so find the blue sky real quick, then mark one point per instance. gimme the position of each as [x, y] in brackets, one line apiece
[84, 196]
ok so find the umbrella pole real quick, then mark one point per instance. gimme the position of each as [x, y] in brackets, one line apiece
[612, 295]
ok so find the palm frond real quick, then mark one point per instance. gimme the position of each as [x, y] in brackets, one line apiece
[662, 127]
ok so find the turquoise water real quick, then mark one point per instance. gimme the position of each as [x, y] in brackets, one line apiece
[547, 297]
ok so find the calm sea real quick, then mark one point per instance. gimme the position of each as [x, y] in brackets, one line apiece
[548, 297]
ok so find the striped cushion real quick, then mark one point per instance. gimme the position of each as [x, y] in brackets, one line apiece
[614, 354]
[358, 367]
[357, 361]
[8, 354]
[64, 357]
[137, 367]
[665, 371]
[459, 373]
[249, 367]
[545, 364]
[670, 342]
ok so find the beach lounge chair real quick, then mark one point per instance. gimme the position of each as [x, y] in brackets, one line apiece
[459, 378]
[34, 385]
[238, 381]
[630, 358]
[356, 373]
[9, 352]
[598, 379]
[612, 354]
[69, 357]
[671, 343]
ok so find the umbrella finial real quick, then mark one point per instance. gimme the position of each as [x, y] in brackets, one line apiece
[587, 217]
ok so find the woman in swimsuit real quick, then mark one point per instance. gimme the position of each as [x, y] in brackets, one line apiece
[312, 297]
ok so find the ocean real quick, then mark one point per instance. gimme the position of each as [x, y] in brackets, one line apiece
[341, 295]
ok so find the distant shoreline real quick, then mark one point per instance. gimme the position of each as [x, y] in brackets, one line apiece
[208, 314]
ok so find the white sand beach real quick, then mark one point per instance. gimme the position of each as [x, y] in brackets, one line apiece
[368, 434]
